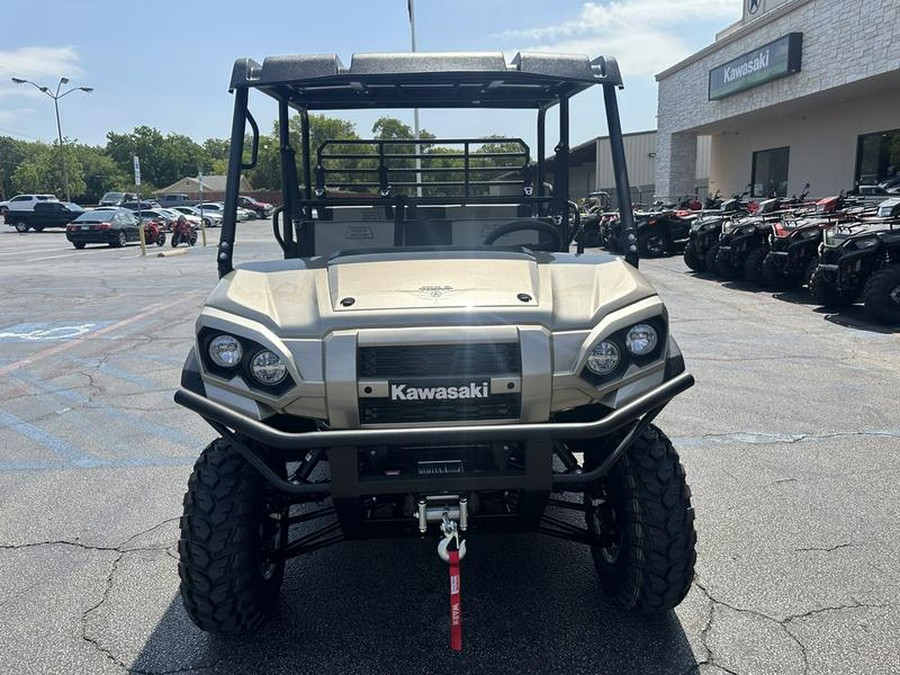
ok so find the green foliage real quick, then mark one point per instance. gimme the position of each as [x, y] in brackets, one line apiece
[164, 159]
[42, 171]
[12, 153]
[101, 174]
[36, 167]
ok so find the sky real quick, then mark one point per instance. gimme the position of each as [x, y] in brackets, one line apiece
[167, 63]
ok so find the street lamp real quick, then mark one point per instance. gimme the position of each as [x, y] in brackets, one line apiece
[56, 96]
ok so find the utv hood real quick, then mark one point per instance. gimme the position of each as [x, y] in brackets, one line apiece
[311, 298]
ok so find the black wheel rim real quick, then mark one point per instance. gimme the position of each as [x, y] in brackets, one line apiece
[894, 295]
[272, 541]
[655, 244]
[604, 521]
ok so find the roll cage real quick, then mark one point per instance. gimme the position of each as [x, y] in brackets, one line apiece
[305, 83]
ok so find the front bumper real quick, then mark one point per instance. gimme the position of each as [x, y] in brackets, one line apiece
[342, 445]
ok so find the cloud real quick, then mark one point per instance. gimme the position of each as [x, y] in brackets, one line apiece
[644, 35]
[44, 65]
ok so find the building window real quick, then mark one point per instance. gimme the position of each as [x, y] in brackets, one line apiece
[878, 159]
[770, 173]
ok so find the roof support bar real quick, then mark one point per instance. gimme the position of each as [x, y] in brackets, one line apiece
[561, 172]
[233, 182]
[623, 189]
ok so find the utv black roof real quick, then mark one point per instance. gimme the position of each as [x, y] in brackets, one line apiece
[425, 80]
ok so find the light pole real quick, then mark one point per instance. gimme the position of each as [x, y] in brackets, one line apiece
[56, 96]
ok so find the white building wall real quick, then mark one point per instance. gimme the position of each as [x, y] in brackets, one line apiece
[844, 41]
[822, 144]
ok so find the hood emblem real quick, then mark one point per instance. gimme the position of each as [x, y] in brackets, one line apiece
[435, 291]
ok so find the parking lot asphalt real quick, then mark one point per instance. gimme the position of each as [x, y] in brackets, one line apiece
[791, 441]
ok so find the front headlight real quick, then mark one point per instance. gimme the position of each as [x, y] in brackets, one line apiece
[267, 368]
[604, 358]
[225, 351]
[641, 339]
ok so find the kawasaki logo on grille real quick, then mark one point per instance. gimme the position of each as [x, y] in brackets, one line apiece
[404, 392]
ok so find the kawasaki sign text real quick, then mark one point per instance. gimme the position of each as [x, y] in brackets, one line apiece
[769, 62]
[405, 392]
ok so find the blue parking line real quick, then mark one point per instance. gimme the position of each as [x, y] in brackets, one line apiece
[53, 443]
[99, 464]
[171, 361]
[132, 420]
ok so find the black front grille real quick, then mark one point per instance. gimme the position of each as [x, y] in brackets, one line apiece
[385, 411]
[459, 360]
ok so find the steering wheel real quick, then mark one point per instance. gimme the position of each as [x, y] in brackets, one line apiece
[528, 225]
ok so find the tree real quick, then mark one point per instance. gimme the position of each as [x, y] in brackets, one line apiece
[101, 174]
[12, 153]
[42, 171]
[164, 159]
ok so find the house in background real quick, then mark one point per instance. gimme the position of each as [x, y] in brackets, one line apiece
[213, 188]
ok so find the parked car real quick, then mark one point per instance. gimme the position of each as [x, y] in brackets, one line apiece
[261, 209]
[144, 204]
[116, 198]
[45, 214]
[158, 214]
[104, 226]
[194, 220]
[219, 207]
[178, 199]
[208, 218]
[25, 202]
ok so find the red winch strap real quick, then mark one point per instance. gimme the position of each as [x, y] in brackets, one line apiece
[455, 609]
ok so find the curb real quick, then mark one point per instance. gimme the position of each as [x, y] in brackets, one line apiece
[174, 251]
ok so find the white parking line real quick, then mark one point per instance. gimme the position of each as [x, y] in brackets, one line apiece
[51, 257]
[33, 250]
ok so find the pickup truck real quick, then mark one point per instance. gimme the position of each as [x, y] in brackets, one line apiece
[45, 214]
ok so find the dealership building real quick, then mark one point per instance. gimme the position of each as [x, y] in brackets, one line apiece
[796, 91]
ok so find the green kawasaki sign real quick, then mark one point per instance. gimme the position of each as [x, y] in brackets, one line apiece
[774, 60]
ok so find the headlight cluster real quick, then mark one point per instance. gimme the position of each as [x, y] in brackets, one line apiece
[228, 355]
[640, 340]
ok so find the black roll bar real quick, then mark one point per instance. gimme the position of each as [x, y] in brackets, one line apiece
[224, 257]
[617, 147]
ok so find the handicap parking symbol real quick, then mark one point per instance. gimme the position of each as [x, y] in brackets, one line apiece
[48, 332]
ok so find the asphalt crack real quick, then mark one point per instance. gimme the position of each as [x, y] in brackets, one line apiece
[783, 623]
[825, 549]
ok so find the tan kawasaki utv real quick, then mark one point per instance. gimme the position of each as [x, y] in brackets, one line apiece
[427, 358]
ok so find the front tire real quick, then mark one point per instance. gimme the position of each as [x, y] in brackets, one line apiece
[21, 226]
[78, 244]
[693, 260]
[882, 294]
[230, 575]
[825, 294]
[647, 502]
[723, 265]
[120, 240]
[709, 259]
[753, 265]
[655, 244]
[772, 276]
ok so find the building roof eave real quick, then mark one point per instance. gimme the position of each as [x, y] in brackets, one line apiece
[746, 29]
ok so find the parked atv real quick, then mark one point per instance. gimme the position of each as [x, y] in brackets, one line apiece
[794, 245]
[744, 243]
[659, 232]
[703, 239]
[862, 260]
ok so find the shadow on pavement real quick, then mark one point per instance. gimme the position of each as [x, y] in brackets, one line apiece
[530, 605]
